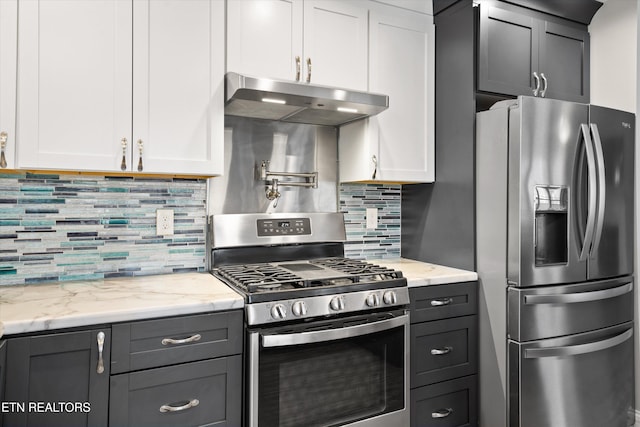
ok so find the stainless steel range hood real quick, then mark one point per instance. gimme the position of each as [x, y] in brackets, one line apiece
[295, 102]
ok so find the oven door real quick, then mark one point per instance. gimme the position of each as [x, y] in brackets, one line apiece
[347, 372]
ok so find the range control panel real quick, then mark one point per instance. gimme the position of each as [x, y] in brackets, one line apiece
[283, 227]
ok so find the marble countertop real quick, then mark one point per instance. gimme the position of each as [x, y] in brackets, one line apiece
[425, 274]
[59, 305]
[81, 303]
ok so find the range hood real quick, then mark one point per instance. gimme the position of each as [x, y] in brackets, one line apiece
[296, 102]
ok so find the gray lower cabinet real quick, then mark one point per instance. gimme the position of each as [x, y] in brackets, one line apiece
[179, 371]
[522, 53]
[444, 355]
[58, 379]
[205, 393]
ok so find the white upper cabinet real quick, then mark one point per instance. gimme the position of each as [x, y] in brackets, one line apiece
[321, 41]
[95, 77]
[8, 45]
[335, 43]
[264, 37]
[74, 84]
[397, 145]
[178, 86]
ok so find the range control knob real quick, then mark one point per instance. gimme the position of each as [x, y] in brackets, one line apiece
[299, 308]
[337, 303]
[278, 312]
[373, 300]
[390, 297]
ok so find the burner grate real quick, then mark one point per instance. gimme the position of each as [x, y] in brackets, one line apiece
[260, 277]
[334, 273]
[365, 272]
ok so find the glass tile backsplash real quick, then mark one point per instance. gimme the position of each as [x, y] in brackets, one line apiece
[75, 227]
[70, 227]
[382, 241]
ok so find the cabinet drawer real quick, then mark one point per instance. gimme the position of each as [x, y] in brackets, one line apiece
[448, 404]
[443, 349]
[192, 394]
[443, 301]
[169, 341]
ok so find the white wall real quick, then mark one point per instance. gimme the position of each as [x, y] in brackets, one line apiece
[614, 55]
[615, 47]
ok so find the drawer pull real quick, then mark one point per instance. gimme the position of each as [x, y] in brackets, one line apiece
[168, 408]
[441, 351]
[440, 302]
[100, 338]
[192, 338]
[442, 413]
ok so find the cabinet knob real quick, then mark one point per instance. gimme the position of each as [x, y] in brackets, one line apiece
[100, 339]
[442, 413]
[123, 163]
[441, 351]
[374, 160]
[3, 144]
[298, 68]
[441, 302]
[173, 341]
[170, 408]
[537, 88]
[546, 84]
[308, 70]
[140, 144]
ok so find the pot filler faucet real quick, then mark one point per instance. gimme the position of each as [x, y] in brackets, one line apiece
[272, 192]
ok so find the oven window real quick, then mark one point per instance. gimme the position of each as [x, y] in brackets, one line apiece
[332, 383]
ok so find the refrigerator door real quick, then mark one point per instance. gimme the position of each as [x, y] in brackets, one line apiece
[581, 380]
[611, 253]
[545, 240]
[553, 311]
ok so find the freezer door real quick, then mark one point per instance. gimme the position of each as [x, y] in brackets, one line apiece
[546, 140]
[612, 250]
[553, 311]
[581, 380]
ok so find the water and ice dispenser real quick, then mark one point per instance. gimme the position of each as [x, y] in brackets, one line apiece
[551, 225]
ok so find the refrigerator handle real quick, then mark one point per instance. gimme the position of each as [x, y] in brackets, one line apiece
[602, 187]
[573, 350]
[579, 297]
[591, 212]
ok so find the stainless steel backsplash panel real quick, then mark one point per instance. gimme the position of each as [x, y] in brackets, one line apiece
[289, 147]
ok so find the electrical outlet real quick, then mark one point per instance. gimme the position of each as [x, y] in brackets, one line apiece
[164, 222]
[372, 218]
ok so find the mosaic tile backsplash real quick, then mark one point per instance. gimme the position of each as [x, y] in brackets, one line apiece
[383, 241]
[70, 227]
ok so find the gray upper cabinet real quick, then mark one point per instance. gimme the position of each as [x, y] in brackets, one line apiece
[67, 371]
[564, 59]
[520, 53]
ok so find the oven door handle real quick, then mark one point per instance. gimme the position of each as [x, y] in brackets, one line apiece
[283, 340]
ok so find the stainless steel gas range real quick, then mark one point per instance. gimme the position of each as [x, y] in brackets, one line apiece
[326, 337]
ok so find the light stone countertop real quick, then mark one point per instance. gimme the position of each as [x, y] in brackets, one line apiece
[82, 303]
[59, 305]
[425, 274]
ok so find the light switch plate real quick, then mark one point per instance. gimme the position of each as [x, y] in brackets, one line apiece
[164, 222]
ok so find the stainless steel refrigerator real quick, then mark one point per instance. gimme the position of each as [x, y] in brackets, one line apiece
[555, 251]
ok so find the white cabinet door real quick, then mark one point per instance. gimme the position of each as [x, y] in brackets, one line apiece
[8, 45]
[398, 144]
[264, 37]
[178, 75]
[402, 66]
[74, 84]
[335, 41]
